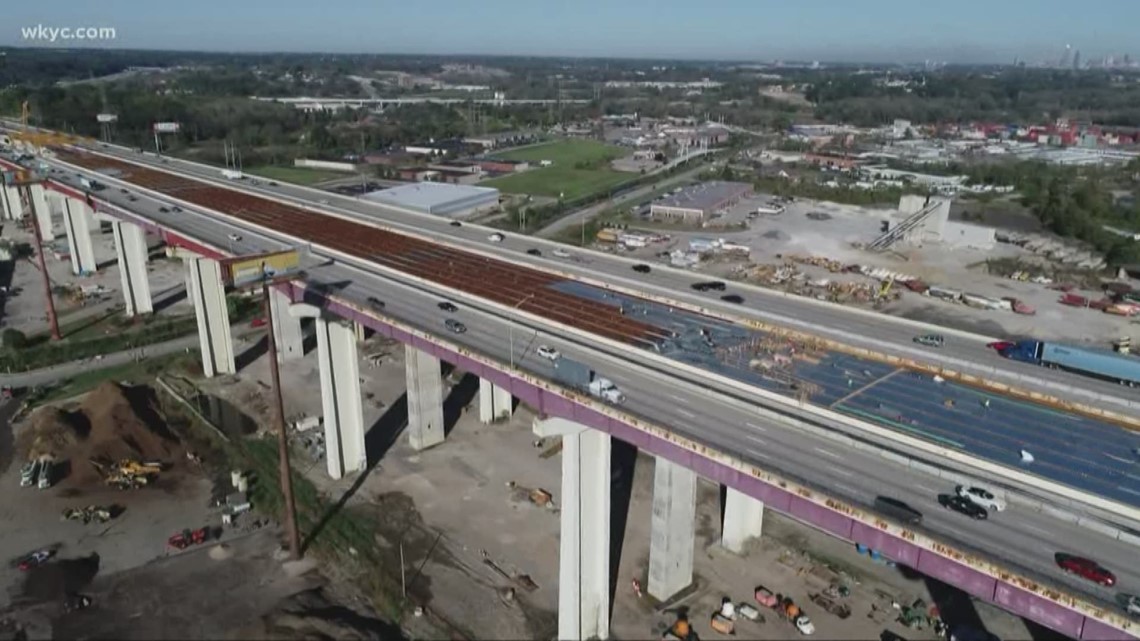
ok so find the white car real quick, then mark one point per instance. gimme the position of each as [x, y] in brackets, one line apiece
[496, 237]
[548, 352]
[561, 253]
[804, 625]
[235, 238]
[981, 496]
[1130, 603]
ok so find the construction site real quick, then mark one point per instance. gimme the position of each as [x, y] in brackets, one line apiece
[916, 261]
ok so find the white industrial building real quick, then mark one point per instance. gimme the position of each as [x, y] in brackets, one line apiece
[440, 199]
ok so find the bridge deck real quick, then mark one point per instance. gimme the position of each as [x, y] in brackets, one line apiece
[1075, 450]
[1071, 449]
[526, 289]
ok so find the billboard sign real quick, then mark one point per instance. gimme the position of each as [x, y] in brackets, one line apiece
[166, 127]
[106, 118]
[247, 270]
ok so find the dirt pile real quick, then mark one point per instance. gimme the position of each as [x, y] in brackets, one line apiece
[311, 616]
[113, 422]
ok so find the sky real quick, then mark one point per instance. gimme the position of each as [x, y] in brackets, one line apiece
[754, 30]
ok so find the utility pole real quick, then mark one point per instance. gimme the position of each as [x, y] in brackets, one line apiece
[282, 438]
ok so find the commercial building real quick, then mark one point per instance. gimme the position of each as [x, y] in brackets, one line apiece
[501, 165]
[450, 201]
[695, 203]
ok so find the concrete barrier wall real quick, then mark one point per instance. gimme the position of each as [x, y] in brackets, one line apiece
[780, 494]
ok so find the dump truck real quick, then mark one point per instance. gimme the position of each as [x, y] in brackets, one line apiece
[582, 378]
[186, 538]
[1100, 363]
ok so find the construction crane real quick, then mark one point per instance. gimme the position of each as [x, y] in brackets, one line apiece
[35, 141]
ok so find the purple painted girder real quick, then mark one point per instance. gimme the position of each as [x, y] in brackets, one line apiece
[830, 518]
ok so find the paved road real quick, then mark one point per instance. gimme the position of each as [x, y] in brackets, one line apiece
[65, 371]
[879, 332]
[1020, 537]
[583, 215]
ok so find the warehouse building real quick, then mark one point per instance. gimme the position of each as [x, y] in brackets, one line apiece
[697, 203]
[440, 199]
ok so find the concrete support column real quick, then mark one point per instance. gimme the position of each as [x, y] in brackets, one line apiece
[494, 402]
[584, 555]
[425, 398]
[77, 220]
[286, 328]
[130, 244]
[359, 331]
[743, 520]
[206, 290]
[10, 201]
[340, 398]
[672, 529]
[43, 211]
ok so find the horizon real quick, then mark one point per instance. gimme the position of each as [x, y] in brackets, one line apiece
[743, 31]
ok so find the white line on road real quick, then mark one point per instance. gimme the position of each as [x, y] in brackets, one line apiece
[846, 488]
[842, 472]
[827, 452]
[928, 490]
[758, 454]
[755, 439]
[758, 428]
[685, 413]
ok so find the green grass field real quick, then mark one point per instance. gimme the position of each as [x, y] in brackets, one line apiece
[296, 175]
[563, 177]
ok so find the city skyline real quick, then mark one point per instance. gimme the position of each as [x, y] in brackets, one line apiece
[877, 31]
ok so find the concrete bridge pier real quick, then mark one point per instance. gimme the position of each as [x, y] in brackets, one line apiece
[10, 205]
[743, 520]
[494, 402]
[43, 211]
[130, 245]
[672, 529]
[205, 288]
[77, 219]
[286, 328]
[584, 555]
[340, 392]
[425, 398]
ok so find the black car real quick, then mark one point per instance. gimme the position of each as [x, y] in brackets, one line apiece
[122, 191]
[164, 210]
[700, 287]
[455, 326]
[448, 307]
[272, 183]
[455, 223]
[715, 285]
[641, 268]
[534, 252]
[732, 298]
[376, 303]
[963, 505]
[176, 208]
[895, 508]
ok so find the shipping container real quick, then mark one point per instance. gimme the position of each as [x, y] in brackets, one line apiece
[1101, 363]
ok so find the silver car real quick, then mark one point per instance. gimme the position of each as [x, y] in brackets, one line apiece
[455, 326]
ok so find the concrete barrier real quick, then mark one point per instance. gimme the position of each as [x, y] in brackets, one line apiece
[805, 497]
[1002, 472]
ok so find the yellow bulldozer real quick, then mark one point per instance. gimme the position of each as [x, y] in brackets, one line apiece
[128, 474]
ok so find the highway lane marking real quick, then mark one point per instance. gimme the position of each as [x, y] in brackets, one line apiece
[827, 453]
[846, 488]
[755, 439]
[1117, 458]
[928, 490]
[842, 472]
[758, 454]
[685, 413]
[758, 428]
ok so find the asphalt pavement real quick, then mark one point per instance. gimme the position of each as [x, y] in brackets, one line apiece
[687, 409]
[874, 331]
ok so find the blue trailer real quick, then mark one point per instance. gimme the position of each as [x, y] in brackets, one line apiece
[1101, 363]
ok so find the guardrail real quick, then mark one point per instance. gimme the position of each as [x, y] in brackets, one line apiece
[689, 452]
[638, 290]
[703, 377]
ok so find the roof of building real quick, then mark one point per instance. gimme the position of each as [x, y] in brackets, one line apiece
[705, 197]
[435, 198]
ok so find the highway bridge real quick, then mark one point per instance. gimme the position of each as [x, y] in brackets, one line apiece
[806, 457]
